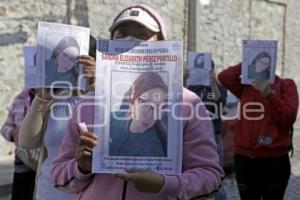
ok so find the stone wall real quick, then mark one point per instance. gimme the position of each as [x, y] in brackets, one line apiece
[221, 26]
[18, 22]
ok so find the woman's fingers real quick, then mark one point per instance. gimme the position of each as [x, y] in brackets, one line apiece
[84, 152]
[143, 180]
[89, 64]
[83, 156]
[88, 139]
[87, 60]
[85, 149]
[44, 93]
[89, 70]
[126, 177]
[89, 135]
[135, 170]
[86, 57]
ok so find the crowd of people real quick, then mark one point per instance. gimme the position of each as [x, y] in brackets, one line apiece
[63, 167]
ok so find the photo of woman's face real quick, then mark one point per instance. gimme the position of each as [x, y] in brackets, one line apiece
[147, 108]
[262, 64]
[66, 59]
[200, 59]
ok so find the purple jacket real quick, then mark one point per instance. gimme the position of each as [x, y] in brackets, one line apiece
[16, 114]
[201, 175]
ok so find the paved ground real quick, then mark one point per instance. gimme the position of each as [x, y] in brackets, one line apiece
[293, 190]
[6, 175]
[292, 193]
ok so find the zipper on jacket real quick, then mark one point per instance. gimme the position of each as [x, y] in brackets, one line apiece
[124, 190]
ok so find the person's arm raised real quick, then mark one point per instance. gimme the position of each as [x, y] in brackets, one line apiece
[231, 80]
[71, 170]
[31, 131]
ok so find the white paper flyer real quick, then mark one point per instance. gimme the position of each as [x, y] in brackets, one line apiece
[259, 60]
[138, 106]
[30, 69]
[59, 46]
[199, 68]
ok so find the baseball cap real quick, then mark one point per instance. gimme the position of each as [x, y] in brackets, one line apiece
[143, 15]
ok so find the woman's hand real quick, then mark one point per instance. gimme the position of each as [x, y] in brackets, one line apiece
[84, 151]
[89, 65]
[262, 86]
[143, 180]
[89, 68]
[44, 93]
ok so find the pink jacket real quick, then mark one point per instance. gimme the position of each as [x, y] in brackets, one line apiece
[201, 176]
[16, 114]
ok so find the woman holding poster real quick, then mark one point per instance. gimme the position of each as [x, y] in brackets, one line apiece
[139, 131]
[45, 124]
[201, 174]
[262, 133]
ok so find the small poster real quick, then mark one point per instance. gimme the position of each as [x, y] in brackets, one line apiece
[199, 68]
[30, 67]
[59, 46]
[259, 60]
[138, 104]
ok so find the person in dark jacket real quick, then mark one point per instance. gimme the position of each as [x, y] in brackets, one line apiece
[214, 98]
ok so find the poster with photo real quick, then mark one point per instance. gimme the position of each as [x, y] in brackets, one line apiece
[259, 60]
[199, 67]
[59, 46]
[30, 69]
[138, 104]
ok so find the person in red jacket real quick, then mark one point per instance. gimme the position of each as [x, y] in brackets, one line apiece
[268, 112]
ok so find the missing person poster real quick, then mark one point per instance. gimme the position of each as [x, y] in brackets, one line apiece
[199, 68]
[138, 106]
[59, 46]
[259, 60]
[30, 69]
